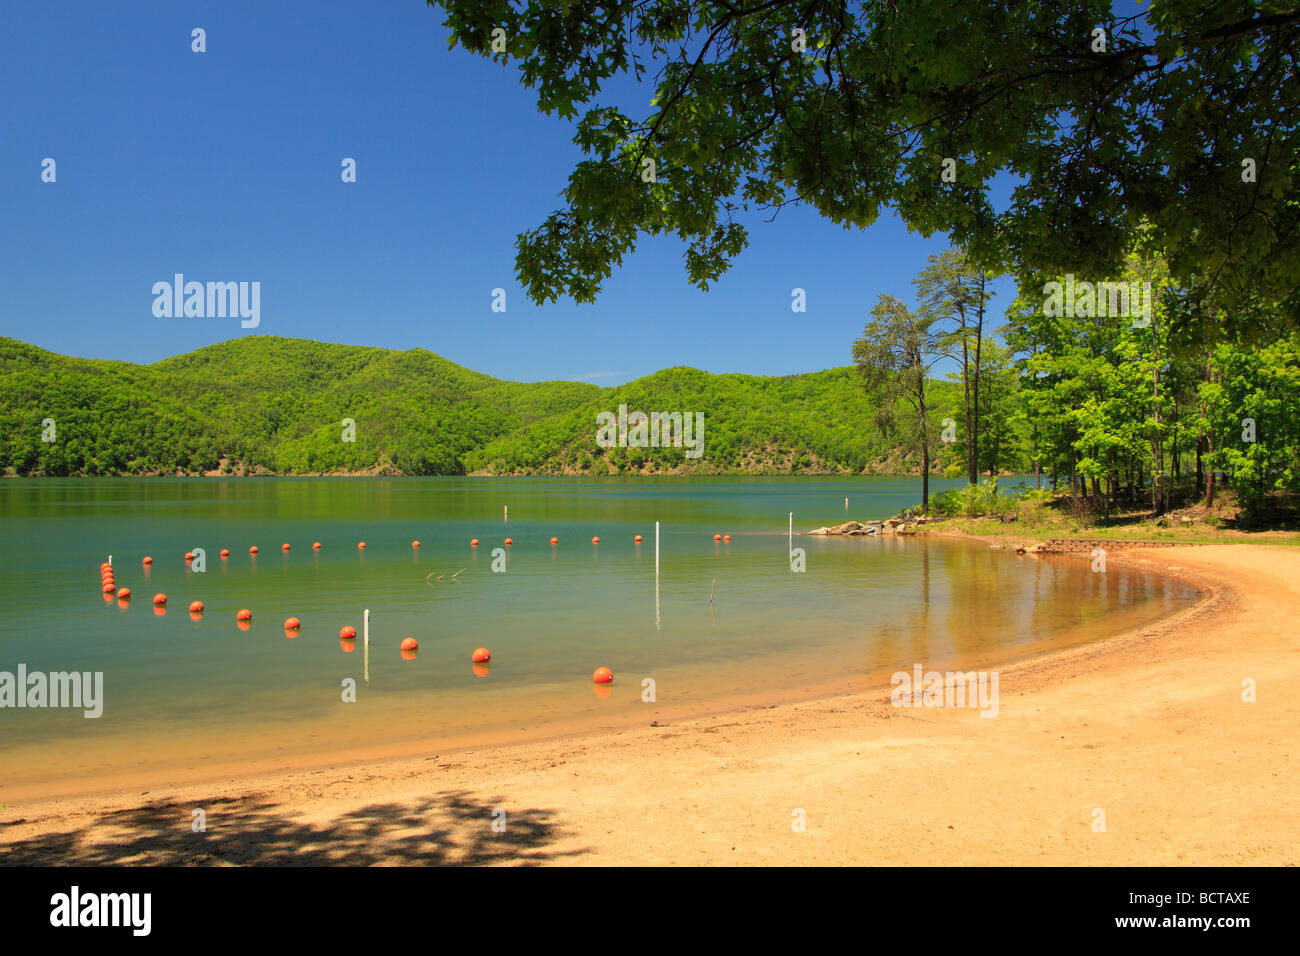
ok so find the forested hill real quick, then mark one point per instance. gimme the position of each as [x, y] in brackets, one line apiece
[263, 404]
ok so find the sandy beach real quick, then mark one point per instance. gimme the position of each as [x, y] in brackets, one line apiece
[1148, 728]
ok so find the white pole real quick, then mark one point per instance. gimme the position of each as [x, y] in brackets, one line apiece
[846, 504]
[505, 513]
[656, 575]
[110, 560]
[791, 546]
[365, 640]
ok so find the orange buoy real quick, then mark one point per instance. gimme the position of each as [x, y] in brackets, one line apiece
[361, 546]
[717, 537]
[124, 594]
[189, 555]
[603, 675]
[147, 560]
[595, 540]
[196, 607]
[253, 550]
[315, 545]
[285, 546]
[410, 644]
[104, 565]
[244, 614]
[292, 624]
[555, 541]
[509, 542]
[415, 544]
[473, 542]
[726, 537]
[481, 656]
[160, 599]
[108, 587]
[637, 539]
[225, 552]
[348, 633]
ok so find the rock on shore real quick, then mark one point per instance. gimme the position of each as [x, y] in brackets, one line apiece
[888, 526]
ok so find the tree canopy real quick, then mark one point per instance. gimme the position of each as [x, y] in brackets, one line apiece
[1181, 119]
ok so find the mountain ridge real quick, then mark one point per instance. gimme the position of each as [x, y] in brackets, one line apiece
[277, 405]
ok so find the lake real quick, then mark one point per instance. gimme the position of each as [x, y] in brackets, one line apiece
[186, 698]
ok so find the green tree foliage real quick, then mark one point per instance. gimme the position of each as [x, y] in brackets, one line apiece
[1181, 117]
[894, 357]
[1121, 414]
[955, 295]
[1252, 406]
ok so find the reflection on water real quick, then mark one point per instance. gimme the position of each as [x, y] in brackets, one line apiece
[719, 624]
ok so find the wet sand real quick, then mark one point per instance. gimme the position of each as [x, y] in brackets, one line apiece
[1148, 727]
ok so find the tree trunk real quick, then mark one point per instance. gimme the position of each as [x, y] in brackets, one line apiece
[1200, 469]
[925, 476]
[965, 379]
[1038, 478]
[979, 342]
[1209, 442]
[1155, 442]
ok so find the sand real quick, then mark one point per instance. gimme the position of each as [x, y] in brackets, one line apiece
[1148, 728]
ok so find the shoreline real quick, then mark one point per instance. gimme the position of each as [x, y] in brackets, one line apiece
[628, 809]
[185, 767]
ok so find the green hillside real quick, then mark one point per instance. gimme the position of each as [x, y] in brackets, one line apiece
[263, 404]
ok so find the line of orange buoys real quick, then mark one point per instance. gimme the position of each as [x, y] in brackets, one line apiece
[473, 542]
[481, 657]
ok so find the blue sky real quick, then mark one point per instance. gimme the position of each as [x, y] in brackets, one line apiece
[225, 166]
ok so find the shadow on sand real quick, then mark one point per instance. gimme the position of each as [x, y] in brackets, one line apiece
[452, 828]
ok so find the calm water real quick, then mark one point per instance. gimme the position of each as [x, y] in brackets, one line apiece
[185, 697]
